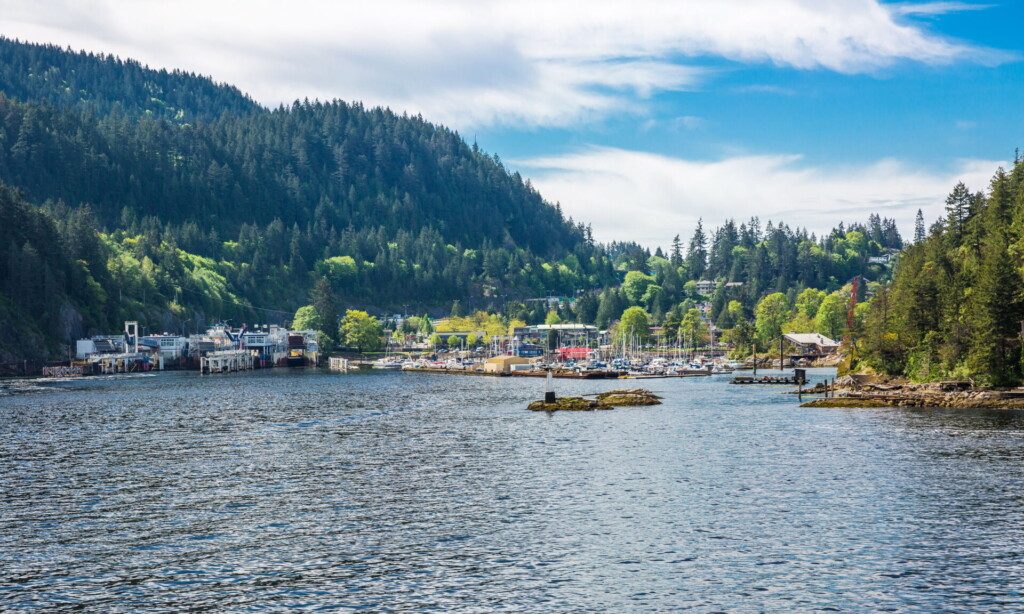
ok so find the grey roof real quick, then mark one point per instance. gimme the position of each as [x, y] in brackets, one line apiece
[811, 339]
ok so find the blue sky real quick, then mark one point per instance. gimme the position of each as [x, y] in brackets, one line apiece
[913, 111]
[638, 117]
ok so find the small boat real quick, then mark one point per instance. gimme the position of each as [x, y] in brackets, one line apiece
[387, 363]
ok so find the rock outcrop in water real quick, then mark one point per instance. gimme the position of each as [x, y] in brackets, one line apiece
[865, 391]
[604, 400]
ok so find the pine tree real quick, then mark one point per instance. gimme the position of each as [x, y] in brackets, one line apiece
[919, 232]
[957, 206]
[609, 308]
[586, 308]
[326, 306]
[998, 314]
[677, 251]
[697, 252]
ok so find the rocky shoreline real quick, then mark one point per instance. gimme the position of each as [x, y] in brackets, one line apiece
[856, 391]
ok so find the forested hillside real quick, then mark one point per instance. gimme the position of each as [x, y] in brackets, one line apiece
[167, 198]
[955, 308]
[235, 210]
[102, 85]
[746, 261]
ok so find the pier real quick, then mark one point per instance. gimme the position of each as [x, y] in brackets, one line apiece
[336, 363]
[799, 378]
[129, 362]
[226, 361]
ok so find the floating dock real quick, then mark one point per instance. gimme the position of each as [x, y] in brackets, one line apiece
[787, 380]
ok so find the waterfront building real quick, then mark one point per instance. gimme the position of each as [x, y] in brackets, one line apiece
[173, 348]
[812, 344]
[504, 364]
[99, 344]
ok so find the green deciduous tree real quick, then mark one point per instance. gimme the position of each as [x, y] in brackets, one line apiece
[634, 325]
[808, 301]
[360, 330]
[692, 329]
[771, 313]
[306, 318]
[830, 319]
[635, 285]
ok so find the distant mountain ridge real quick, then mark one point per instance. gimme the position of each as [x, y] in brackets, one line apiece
[333, 163]
[104, 84]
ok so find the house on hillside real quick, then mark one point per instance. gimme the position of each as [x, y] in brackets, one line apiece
[706, 287]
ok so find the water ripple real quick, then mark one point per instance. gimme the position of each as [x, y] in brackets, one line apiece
[289, 489]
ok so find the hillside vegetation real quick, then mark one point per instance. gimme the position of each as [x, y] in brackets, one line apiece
[162, 196]
[955, 308]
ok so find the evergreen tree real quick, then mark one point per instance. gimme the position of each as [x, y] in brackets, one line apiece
[586, 308]
[326, 306]
[919, 232]
[676, 256]
[697, 252]
[609, 307]
[957, 206]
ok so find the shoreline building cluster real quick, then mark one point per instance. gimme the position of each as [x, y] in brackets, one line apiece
[262, 346]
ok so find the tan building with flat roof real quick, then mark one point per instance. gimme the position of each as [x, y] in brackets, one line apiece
[503, 364]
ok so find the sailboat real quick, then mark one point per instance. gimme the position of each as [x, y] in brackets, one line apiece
[388, 361]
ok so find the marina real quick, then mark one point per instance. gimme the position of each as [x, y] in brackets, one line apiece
[223, 349]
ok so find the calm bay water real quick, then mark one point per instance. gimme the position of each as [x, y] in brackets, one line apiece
[399, 491]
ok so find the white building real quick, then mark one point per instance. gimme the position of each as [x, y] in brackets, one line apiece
[706, 287]
[172, 347]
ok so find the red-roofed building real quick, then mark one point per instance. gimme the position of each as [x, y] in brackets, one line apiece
[574, 353]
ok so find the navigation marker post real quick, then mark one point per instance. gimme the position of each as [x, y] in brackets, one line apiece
[549, 391]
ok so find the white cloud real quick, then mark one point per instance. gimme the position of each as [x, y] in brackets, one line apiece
[477, 62]
[930, 9]
[649, 198]
[761, 88]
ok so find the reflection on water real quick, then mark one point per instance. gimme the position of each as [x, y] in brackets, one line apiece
[392, 490]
